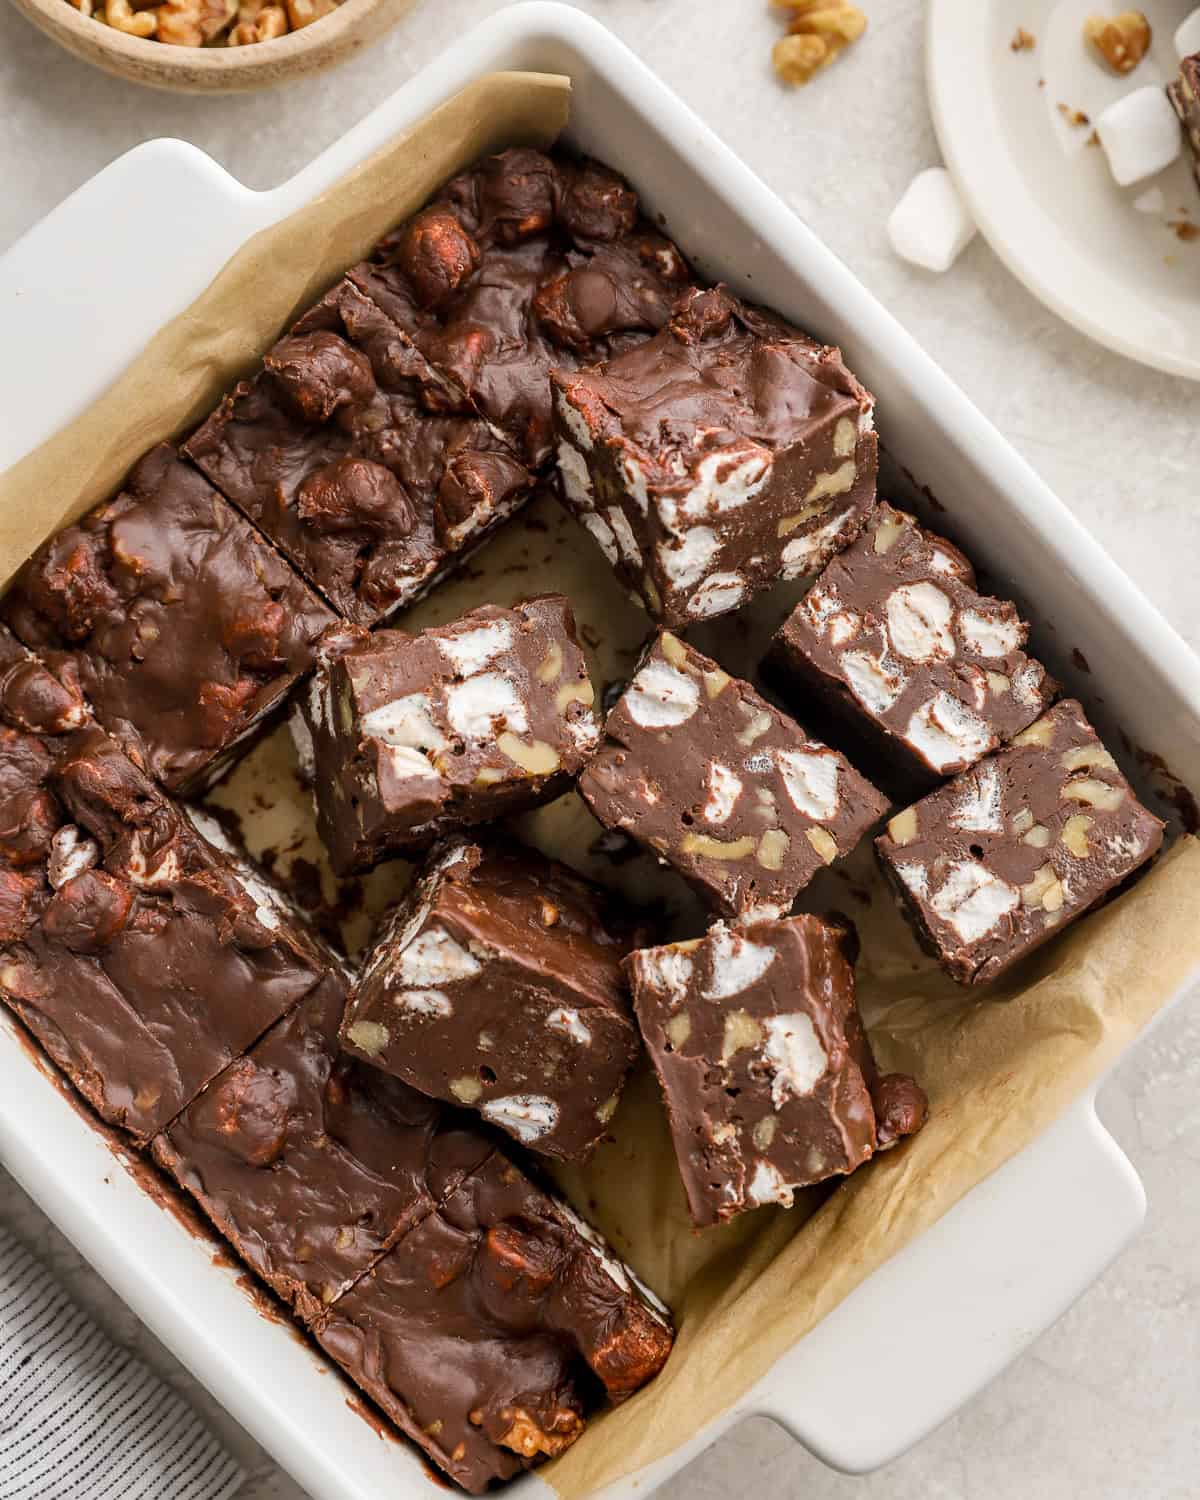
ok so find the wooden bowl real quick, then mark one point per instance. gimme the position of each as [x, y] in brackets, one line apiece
[217, 70]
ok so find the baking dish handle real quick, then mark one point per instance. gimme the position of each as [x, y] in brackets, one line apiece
[929, 1329]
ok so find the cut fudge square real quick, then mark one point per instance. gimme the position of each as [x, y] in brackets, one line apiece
[523, 262]
[994, 863]
[709, 776]
[895, 635]
[497, 984]
[129, 946]
[330, 450]
[726, 453]
[408, 737]
[310, 1164]
[769, 1079]
[185, 629]
[486, 1331]
[1184, 94]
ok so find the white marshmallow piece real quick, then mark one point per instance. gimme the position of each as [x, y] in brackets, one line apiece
[1140, 134]
[1187, 38]
[931, 226]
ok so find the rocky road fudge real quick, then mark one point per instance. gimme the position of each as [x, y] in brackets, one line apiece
[523, 262]
[330, 450]
[311, 1164]
[768, 1076]
[1184, 94]
[184, 628]
[409, 737]
[715, 781]
[895, 635]
[497, 984]
[726, 453]
[486, 1332]
[128, 946]
[994, 863]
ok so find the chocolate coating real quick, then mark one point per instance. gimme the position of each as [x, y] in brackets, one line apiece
[497, 984]
[182, 627]
[725, 453]
[482, 1333]
[996, 862]
[895, 636]
[699, 768]
[1184, 94]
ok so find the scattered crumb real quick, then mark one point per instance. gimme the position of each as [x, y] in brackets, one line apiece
[1023, 41]
[1184, 229]
[1041, 83]
[1073, 116]
[1092, 140]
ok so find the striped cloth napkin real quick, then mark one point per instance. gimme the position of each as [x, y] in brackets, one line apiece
[81, 1419]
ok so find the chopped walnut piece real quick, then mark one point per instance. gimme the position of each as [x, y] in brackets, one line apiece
[1121, 41]
[121, 16]
[193, 23]
[817, 33]
[1023, 41]
[257, 22]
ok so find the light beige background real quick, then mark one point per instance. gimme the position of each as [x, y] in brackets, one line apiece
[1106, 1404]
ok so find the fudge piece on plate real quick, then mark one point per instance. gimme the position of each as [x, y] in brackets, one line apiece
[1184, 94]
[129, 946]
[497, 984]
[409, 737]
[185, 628]
[330, 450]
[523, 262]
[895, 635]
[994, 863]
[727, 452]
[484, 1333]
[310, 1164]
[704, 772]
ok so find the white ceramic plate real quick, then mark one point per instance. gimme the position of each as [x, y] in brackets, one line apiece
[1043, 197]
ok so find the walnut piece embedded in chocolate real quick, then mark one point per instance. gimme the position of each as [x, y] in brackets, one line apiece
[709, 776]
[182, 627]
[994, 863]
[496, 984]
[769, 1078]
[726, 453]
[485, 1331]
[894, 635]
[413, 736]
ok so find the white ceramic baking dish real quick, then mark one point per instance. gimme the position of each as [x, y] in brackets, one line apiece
[956, 1306]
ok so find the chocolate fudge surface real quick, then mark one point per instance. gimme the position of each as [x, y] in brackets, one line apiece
[409, 737]
[769, 1079]
[994, 863]
[310, 1164]
[486, 1333]
[522, 263]
[895, 635]
[497, 984]
[726, 453]
[132, 950]
[331, 451]
[185, 629]
[715, 781]
[1184, 94]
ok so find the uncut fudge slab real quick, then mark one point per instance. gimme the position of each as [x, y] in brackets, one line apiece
[721, 785]
[486, 1332]
[895, 636]
[768, 1076]
[523, 262]
[310, 1164]
[408, 737]
[497, 984]
[134, 952]
[185, 628]
[1184, 94]
[726, 453]
[994, 863]
[329, 449]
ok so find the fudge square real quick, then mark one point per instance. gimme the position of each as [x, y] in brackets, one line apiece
[1184, 94]
[769, 1079]
[895, 635]
[727, 452]
[497, 984]
[486, 1333]
[408, 737]
[715, 781]
[311, 1164]
[330, 450]
[129, 947]
[185, 629]
[994, 863]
